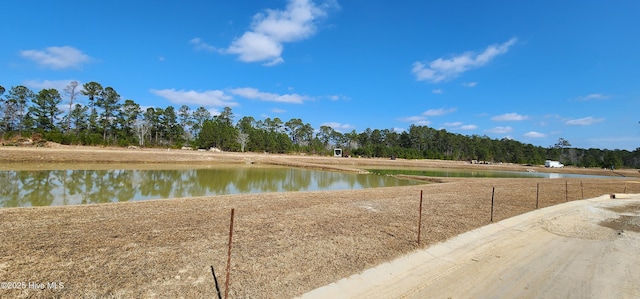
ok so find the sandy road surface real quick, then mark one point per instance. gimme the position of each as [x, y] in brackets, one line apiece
[582, 249]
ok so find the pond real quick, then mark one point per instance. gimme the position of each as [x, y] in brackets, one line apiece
[469, 173]
[83, 186]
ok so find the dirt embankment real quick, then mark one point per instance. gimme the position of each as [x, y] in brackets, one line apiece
[284, 244]
[12, 156]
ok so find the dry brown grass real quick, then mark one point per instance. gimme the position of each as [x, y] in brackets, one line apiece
[284, 243]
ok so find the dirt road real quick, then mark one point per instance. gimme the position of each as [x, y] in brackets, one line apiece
[581, 249]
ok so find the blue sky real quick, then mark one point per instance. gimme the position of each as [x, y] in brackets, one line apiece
[532, 71]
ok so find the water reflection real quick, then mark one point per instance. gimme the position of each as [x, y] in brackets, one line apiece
[69, 187]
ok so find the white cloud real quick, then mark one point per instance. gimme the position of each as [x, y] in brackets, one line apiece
[338, 126]
[417, 120]
[500, 130]
[468, 127]
[209, 98]
[470, 84]
[337, 97]
[254, 47]
[214, 111]
[199, 44]
[533, 134]
[444, 69]
[279, 111]
[585, 121]
[438, 112]
[510, 117]
[412, 118]
[594, 96]
[438, 91]
[272, 28]
[59, 85]
[252, 93]
[57, 57]
[460, 125]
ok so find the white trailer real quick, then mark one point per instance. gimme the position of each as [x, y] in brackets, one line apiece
[553, 164]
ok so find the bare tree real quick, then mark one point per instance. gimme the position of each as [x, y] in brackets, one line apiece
[141, 127]
[243, 139]
[72, 92]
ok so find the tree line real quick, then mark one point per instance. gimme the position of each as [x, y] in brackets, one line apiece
[106, 119]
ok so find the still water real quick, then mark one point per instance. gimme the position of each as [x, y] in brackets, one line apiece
[70, 187]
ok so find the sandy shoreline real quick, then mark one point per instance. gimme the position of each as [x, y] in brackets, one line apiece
[285, 244]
